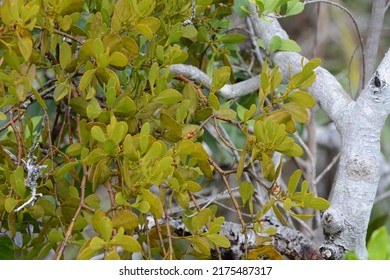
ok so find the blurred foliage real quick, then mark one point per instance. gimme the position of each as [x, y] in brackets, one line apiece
[119, 123]
[378, 246]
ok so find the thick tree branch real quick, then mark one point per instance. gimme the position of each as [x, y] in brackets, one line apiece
[289, 242]
[228, 91]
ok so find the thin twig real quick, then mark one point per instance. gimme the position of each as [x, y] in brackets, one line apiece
[252, 37]
[382, 197]
[354, 22]
[169, 235]
[327, 169]
[59, 32]
[82, 198]
[374, 31]
[18, 138]
[229, 189]
[159, 233]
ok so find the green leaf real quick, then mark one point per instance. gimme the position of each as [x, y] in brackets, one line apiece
[294, 7]
[123, 106]
[287, 204]
[86, 50]
[214, 101]
[119, 132]
[65, 55]
[126, 219]
[3, 116]
[232, 38]
[93, 109]
[60, 92]
[118, 59]
[91, 248]
[302, 98]
[185, 147]
[7, 251]
[70, 6]
[293, 181]
[105, 228]
[17, 181]
[219, 240]
[152, 22]
[279, 215]
[203, 114]
[182, 199]
[173, 131]
[98, 47]
[144, 30]
[86, 79]
[98, 134]
[126, 242]
[297, 112]
[95, 156]
[79, 105]
[267, 167]
[301, 216]
[376, 247]
[10, 204]
[74, 149]
[193, 186]
[145, 131]
[290, 46]
[113, 255]
[25, 47]
[317, 203]
[154, 151]
[201, 245]
[154, 202]
[66, 168]
[220, 78]
[246, 190]
[201, 219]
[168, 97]
[275, 44]
[55, 236]
[189, 31]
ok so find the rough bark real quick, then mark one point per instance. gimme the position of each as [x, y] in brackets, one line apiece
[290, 243]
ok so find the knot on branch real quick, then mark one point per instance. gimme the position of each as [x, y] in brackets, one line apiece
[332, 223]
[376, 84]
[363, 168]
[332, 251]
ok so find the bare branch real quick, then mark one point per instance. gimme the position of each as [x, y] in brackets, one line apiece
[374, 31]
[354, 22]
[228, 91]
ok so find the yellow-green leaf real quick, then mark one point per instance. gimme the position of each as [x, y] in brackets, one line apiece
[219, 240]
[25, 47]
[246, 190]
[98, 134]
[118, 59]
[154, 202]
[302, 98]
[65, 55]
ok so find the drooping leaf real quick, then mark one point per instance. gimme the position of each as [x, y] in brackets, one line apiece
[246, 190]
